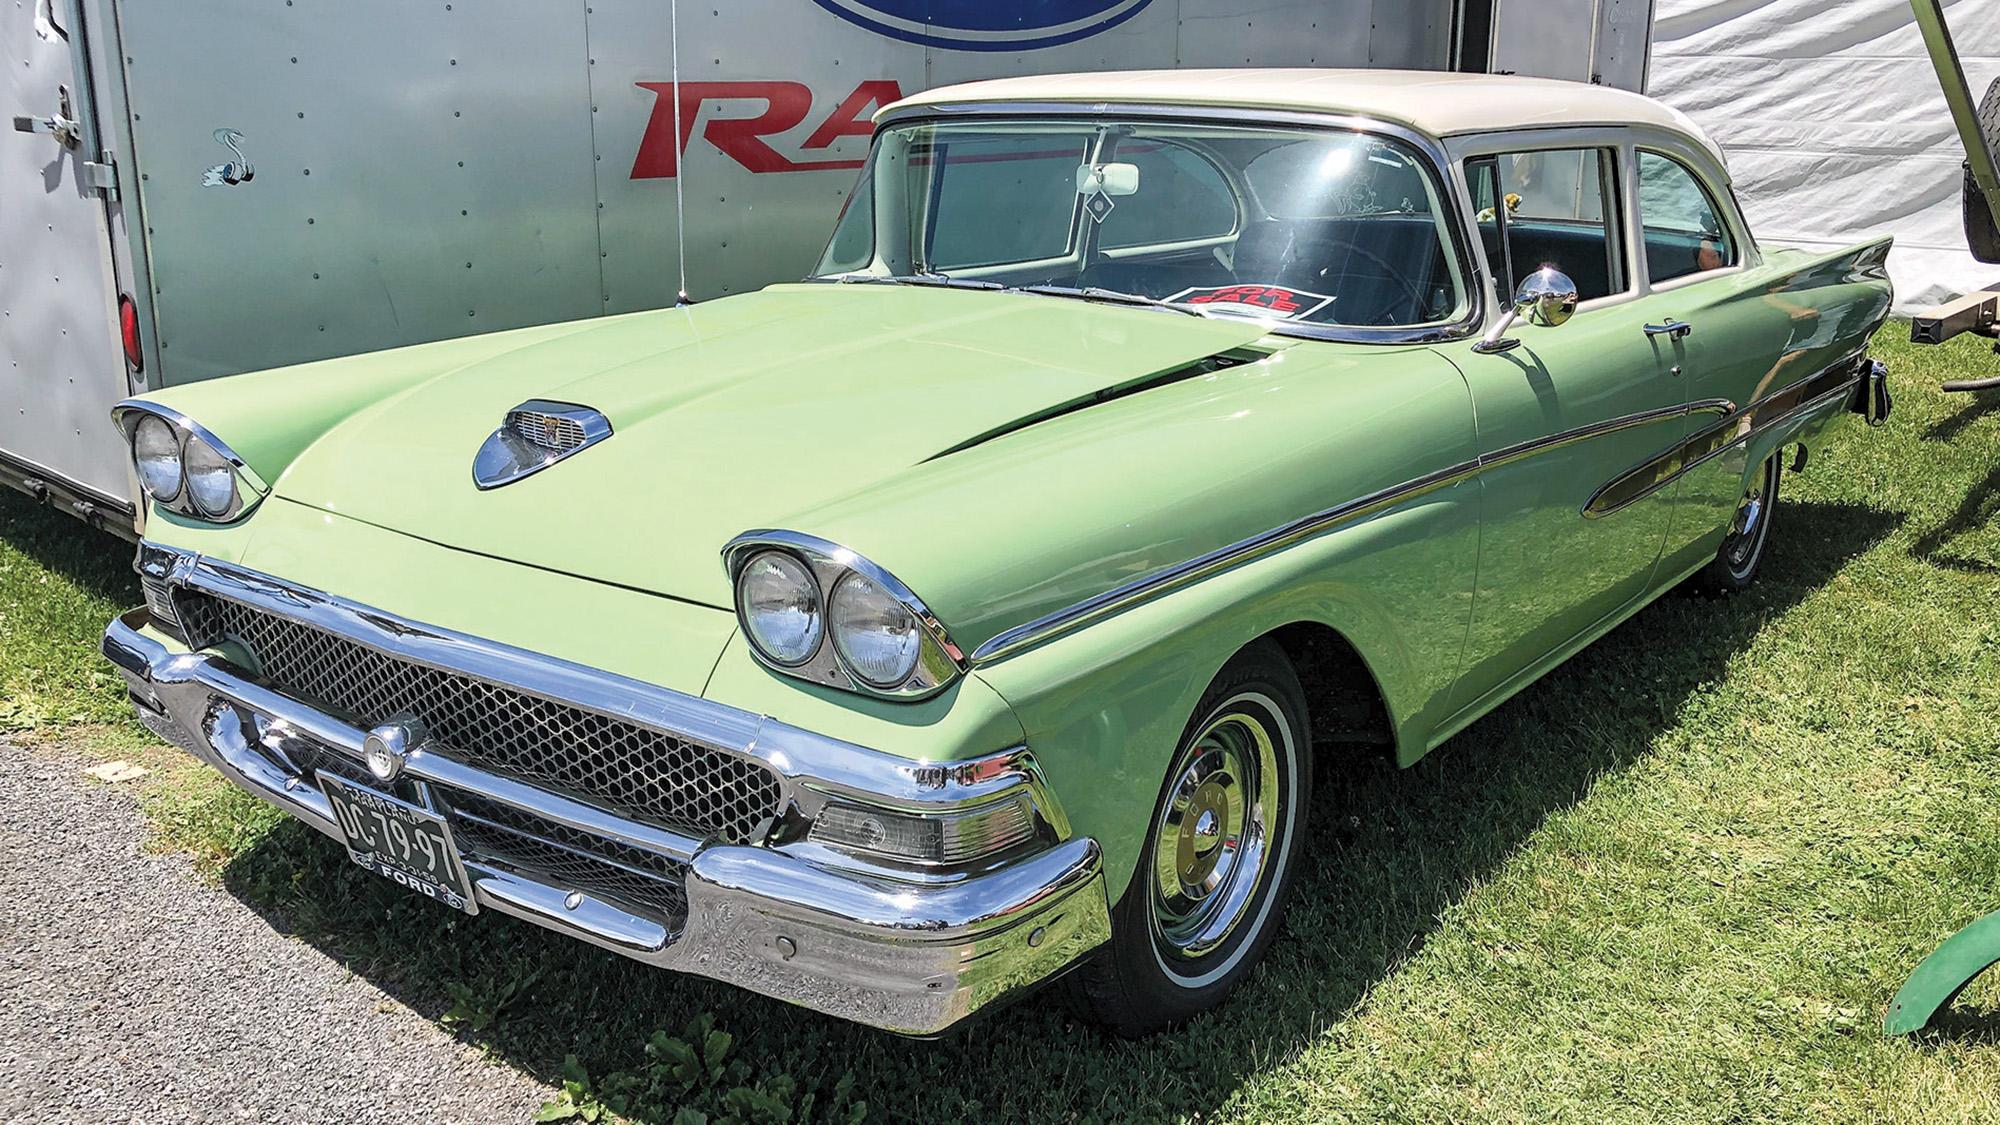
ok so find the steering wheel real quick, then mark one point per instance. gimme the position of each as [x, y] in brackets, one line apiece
[1386, 271]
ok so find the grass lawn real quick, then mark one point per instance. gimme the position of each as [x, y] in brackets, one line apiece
[1679, 879]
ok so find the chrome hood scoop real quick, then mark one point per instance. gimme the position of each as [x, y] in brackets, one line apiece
[534, 435]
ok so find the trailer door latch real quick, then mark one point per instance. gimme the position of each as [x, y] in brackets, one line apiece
[66, 132]
[59, 125]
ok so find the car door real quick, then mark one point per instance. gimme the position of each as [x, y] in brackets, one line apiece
[1741, 342]
[1560, 414]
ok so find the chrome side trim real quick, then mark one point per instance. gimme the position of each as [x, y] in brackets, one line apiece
[940, 662]
[1161, 582]
[505, 456]
[250, 487]
[1735, 428]
[1429, 148]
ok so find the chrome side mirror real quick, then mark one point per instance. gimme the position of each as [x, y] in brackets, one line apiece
[1546, 298]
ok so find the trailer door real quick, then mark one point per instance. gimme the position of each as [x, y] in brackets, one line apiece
[1601, 41]
[61, 360]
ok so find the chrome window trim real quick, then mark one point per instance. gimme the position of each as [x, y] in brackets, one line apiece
[504, 458]
[810, 766]
[250, 487]
[940, 662]
[1452, 207]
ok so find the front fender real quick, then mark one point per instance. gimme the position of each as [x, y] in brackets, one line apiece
[1105, 706]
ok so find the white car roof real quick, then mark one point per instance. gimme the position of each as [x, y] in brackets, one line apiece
[1439, 103]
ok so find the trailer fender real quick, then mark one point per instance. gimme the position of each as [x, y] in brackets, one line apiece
[1943, 975]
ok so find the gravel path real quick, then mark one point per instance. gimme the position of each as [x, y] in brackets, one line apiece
[133, 991]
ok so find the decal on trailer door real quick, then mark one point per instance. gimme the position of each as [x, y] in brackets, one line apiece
[743, 139]
[986, 25]
[229, 172]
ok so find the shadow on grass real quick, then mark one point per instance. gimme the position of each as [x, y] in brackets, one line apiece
[1979, 506]
[97, 561]
[1951, 425]
[1390, 851]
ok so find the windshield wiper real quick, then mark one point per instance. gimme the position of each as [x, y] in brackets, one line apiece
[934, 280]
[1108, 296]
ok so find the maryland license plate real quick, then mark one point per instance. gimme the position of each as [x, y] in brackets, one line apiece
[400, 842]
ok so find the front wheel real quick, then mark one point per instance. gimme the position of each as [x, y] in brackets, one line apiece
[1210, 891]
[1742, 552]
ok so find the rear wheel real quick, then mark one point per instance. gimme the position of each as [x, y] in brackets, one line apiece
[1210, 891]
[1742, 552]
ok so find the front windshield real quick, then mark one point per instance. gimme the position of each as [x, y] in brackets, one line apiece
[1293, 225]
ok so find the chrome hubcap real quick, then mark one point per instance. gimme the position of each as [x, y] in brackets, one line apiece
[1741, 546]
[1213, 840]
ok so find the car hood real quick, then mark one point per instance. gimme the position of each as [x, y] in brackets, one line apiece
[742, 413]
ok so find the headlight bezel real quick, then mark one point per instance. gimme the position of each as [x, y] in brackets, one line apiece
[247, 488]
[938, 664]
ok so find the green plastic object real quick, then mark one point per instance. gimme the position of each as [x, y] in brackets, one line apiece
[1943, 975]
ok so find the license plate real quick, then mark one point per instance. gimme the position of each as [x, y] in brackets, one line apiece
[400, 842]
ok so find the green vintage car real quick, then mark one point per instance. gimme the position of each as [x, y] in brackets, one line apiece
[980, 608]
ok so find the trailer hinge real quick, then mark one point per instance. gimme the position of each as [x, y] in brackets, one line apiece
[102, 175]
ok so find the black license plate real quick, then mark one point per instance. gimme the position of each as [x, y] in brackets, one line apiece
[400, 841]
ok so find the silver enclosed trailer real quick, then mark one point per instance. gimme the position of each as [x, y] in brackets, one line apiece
[196, 190]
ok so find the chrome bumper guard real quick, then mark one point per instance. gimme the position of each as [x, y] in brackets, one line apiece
[906, 953]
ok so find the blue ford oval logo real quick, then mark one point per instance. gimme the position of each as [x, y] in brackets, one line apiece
[986, 25]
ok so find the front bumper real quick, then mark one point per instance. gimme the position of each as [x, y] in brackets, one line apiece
[910, 954]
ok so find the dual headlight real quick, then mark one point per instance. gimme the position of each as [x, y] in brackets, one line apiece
[183, 467]
[817, 611]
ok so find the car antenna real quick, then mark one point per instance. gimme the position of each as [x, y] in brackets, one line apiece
[681, 300]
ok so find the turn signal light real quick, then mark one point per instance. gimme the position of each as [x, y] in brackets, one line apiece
[943, 839]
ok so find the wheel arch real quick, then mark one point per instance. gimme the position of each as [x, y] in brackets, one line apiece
[1104, 707]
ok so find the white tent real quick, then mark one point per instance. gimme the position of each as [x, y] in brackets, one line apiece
[1833, 122]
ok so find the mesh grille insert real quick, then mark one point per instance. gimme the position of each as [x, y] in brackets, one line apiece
[683, 785]
[567, 858]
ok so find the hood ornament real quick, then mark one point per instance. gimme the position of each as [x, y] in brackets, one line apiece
[535, 435]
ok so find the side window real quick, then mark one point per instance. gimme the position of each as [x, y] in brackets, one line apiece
[1181, 197]
[1028, 175]
[1484, 176]
[1555, 207]
[1683, 228]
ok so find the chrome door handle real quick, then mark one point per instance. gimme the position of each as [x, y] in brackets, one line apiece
[1678, 329]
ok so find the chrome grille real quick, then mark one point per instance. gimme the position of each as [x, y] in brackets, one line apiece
[634, 770]
[548, 431]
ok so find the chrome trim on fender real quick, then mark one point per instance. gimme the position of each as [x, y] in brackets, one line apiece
[1735, 428]
[1162, 582]
[938, 663]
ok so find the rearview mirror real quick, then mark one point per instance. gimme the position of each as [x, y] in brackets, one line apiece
[1546, 298]
[1107, 179]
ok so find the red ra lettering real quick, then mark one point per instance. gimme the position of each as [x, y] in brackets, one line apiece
[742, 138]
